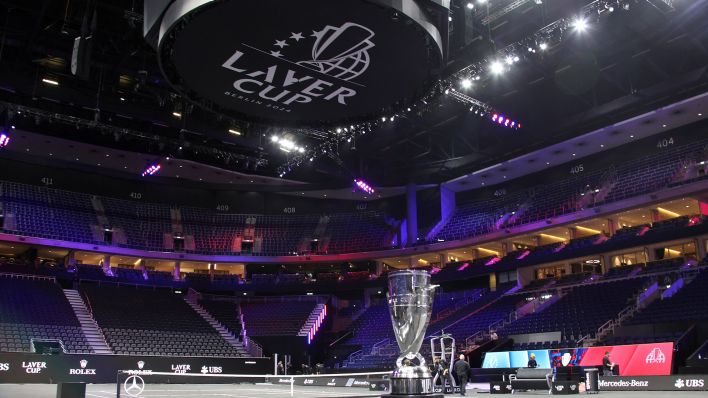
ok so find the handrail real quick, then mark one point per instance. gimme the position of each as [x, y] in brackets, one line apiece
[254, 349]
[347, 334]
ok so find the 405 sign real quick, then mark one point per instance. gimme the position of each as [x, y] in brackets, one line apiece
[311, 61]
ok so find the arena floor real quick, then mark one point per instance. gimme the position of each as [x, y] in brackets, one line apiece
[266, 391]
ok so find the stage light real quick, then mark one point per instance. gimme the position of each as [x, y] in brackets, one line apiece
[234, 132]
[177, 114]
[383, 118]
[50, 81]
[509, 60]
[339, 130]
[496, 67]
[151, 170]
[4, 139]
[505, 121]
[274, 139]
[543, 46]
[466, 83]
[470, 5]
[362, 185]
[579, 24]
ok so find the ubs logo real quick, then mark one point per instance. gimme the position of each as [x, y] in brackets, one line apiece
[655, 356]
[338, 55]
[34, 367]
[211, 369]
[689, 383]
[4, 367]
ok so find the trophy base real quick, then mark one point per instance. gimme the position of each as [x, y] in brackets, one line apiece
[412, 382]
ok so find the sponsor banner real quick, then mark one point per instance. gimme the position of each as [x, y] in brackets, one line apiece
[35, 368]
[654, 383]
[632, 360]
[362, 382]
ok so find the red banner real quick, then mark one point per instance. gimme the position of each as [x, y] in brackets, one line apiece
[634, 360]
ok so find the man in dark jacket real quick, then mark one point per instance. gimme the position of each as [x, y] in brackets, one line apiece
[462, 368]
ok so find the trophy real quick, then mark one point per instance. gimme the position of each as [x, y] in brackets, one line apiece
[410, 302]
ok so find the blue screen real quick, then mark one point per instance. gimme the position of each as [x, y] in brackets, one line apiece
[496, 360]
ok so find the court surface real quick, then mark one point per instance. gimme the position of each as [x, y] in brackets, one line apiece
[270, 391]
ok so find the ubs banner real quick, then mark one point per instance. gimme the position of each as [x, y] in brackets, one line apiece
[337, 381]
[654, 383]
[35, 368]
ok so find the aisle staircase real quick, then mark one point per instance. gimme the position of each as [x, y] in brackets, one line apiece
[89, 327]
[223, 331]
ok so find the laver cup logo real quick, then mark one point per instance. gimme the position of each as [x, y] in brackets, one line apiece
[34, 367]
[340, 53]
[313, 61]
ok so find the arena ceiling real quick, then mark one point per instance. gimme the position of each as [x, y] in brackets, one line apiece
[643, 55]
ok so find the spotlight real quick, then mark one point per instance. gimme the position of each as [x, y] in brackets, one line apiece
[362, 185]
[447, 91]
[339, 130]
[543, 46]
[466, 83]
[496, 67]
[151, 170]
[579, 24]
[274, 139]
[383, 118]
[234, 131]
[470, 5]
[509, 60]
[50, 81]
[177, 114]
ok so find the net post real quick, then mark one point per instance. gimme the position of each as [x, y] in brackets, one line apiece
[292, 386]
[118, 384]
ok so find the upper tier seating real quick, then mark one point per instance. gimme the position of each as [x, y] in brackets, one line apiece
[37, 308]
[634, 177]
[141, 321]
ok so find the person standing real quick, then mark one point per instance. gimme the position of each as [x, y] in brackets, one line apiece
[462, 368]
[532, 362]
[607, 365]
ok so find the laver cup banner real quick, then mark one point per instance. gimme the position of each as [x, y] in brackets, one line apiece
[632, 360]
[35, 368]
[297, 61]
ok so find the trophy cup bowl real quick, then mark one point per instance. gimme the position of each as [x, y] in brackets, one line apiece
[410, 303]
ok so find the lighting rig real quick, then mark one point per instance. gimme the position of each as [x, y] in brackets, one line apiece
[363, 186]
[151, 170]
[4, 139]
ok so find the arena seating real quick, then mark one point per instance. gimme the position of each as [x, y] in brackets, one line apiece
[226, 312]
[153, 322]
[631, 178]
[581, 311]
[276, 318]
[689, 303]
[37, 308]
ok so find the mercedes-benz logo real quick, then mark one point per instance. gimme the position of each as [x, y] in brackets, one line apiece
[134, 385]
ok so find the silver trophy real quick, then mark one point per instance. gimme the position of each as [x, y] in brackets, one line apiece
[410, 302]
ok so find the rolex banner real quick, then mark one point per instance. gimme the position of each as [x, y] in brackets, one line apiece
[87, 368]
